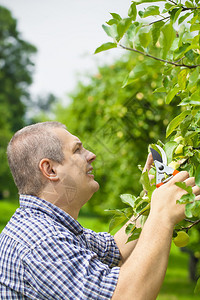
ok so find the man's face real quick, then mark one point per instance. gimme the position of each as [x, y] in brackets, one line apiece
[76, 184]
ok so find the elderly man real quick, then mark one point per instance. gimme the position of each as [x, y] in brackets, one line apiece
[46, 254]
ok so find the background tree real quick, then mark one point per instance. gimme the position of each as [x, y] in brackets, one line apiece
[16, 69]
[117, 125]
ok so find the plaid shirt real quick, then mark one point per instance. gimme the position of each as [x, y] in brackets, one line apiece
[46, 254]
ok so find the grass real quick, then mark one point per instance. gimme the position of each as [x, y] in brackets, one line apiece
[176, 285]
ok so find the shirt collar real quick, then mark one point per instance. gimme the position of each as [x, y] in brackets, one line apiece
[35, 203]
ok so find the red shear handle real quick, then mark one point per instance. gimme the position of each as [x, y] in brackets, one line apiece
[159, 184]
[175, 172]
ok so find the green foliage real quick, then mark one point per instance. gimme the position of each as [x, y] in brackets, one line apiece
[15, 77]
[175, 46]
[166, 40]
[117, 125]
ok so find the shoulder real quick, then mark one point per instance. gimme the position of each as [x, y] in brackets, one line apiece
[30, 229]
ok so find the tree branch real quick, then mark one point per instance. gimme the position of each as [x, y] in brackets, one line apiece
[157, 21]
[172, 2]
[190, 226]
[159, 59]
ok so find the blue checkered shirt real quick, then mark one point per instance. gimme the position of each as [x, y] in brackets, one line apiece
[46, 254]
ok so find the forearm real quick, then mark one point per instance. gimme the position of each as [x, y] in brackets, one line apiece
[121, 239]
[142, 274]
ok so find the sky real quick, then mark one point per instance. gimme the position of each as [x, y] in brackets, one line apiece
[66, 34]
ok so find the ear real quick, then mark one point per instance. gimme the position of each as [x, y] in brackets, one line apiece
[48, 169]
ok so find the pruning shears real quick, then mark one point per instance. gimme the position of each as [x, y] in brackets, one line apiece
[163, 172]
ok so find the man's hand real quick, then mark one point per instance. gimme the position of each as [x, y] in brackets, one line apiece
[163, 201]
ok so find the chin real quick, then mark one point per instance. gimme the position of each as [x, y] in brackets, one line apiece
[94, 187]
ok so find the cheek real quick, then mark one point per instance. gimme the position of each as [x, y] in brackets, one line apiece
[79, 165]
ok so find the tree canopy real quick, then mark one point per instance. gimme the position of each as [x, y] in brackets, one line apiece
[170, 37]
[16, 69]
[118, 124]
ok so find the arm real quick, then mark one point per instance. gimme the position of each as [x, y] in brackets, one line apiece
[143, 272]
[121, 239]
[121, 236]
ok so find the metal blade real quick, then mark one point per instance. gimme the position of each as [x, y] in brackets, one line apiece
[156, 155]
[164, 156]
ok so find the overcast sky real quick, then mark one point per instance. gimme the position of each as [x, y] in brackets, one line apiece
[66, 33]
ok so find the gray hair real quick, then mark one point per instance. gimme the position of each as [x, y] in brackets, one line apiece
[26, 149]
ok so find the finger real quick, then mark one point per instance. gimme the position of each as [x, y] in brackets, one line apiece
[190, 181]
[179, 177]
[196, 190]
[197, 198]
[149, 163]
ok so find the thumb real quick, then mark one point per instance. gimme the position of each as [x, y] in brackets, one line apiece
[149, 163]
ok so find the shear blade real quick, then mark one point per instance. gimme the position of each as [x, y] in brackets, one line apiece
[156, 155]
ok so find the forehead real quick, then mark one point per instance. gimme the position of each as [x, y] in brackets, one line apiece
[67, 139]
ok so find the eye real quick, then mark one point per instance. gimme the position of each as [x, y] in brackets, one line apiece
[77, 150]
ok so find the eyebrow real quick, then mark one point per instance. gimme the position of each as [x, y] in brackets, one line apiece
[77, 143]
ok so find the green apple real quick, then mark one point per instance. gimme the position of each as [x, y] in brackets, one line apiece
[182, 239]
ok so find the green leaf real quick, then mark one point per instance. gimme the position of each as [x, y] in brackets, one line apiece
[116, 16]
[176, 121]
[168, 38]
[141, 206]
[183, 186]
[116, 221]
[132, 12]
[111, 30]
[187, 198]
[169, 150]
[196, 209]
[155, 31]
[105, 47]
[197, 176]
[188, 208]
[194, 27]
[172, 94]
[114, 211]
[135, 235]
[174, 13]
[189, 101]
[188, 4]
[130, 228]
[181, 19]
[197, 287]
[144, 180]
[168, 5]
[112, 21]
[145, 39]
[137, 72]
[123, 26]
[128, 199]
[190, 55]
[182, 78]
[161, 89]
[179, 52]
[185, 124]
[150, 11]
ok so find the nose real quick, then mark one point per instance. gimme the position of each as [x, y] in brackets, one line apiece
[90, 157]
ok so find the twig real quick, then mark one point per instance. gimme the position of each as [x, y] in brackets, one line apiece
[190, 226]
[172, 2]
[159, 59]
[157, 21]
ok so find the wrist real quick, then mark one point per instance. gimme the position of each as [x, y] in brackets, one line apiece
[161, 221]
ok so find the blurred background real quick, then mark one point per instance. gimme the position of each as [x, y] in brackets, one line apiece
[48, 72]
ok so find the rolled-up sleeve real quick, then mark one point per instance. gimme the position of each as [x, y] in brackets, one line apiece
[61, 269]
[103, 244]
